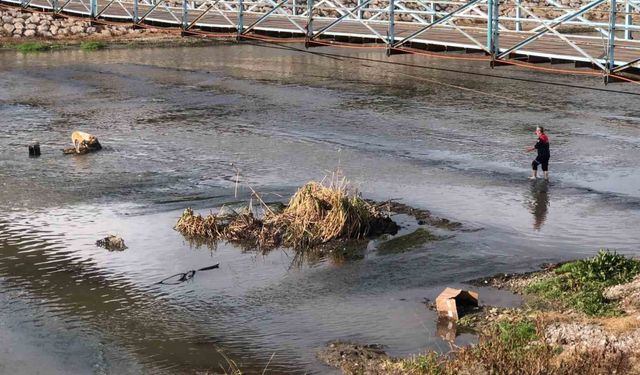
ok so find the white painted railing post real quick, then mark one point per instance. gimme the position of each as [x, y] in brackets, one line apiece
[433, 11]
[628, 20]
[518, 15]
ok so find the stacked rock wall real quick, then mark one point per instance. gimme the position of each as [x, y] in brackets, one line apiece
[19, 24]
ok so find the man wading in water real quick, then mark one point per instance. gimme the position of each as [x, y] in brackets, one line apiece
[543, 154]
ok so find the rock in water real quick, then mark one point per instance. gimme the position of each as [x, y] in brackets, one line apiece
[34, 149]
[111, 243]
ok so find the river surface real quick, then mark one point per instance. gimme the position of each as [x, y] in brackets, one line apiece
[179, 123]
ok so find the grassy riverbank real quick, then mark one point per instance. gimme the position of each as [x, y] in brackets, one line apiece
[28, 45]
[581, 317]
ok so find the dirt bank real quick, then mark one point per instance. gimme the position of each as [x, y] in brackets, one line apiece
[578, 317]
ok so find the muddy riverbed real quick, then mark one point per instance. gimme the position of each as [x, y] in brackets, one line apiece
[173, 120]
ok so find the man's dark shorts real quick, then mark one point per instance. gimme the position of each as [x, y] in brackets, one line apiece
[541, 161]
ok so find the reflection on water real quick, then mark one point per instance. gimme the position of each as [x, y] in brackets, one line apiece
[538, 202]
[446, 329]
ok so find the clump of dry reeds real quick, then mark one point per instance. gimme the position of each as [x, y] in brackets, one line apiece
[240, 227]
[319, 212]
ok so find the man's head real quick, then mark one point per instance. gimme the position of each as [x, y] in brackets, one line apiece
[539, 130]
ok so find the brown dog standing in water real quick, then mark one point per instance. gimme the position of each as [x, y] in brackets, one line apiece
[84, 142]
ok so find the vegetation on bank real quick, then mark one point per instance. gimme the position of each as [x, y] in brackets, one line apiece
[93, 45]
[581, 284]
[35, 47]
[511, 348]
[507, 348]
[42, 46]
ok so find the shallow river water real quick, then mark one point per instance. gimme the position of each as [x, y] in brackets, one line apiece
[177, 124]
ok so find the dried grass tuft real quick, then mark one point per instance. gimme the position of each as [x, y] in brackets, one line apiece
[239, 227]
[319, 212]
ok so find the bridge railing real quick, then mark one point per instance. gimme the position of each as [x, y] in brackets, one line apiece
[592, 31]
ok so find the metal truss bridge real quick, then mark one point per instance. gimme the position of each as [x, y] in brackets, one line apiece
[597, 34]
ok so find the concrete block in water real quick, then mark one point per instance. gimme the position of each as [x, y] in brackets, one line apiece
[453, 303]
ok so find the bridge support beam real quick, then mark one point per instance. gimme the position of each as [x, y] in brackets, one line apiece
[309, 36]
[628, 20]
[611, 59]
[240, 26]
[185, 15]
[439, 21]
[391, 37]
[493, 29]
[93, 5]
[518, 16]
[551, 27]
[135, 12]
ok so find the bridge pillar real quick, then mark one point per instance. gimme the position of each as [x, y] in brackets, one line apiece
[611, 61]
[135, 12]
[94, 8]
[307, 43]
[493, 22]
[391, 37]
[185, 14]
[240, 26]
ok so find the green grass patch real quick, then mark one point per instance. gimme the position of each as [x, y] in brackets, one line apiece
[429, 363]
[406, 242]
[33, 47]
[93, 46]
[581, 284]
[517, 335]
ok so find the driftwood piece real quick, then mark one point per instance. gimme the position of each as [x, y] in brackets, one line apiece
[34, 149]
